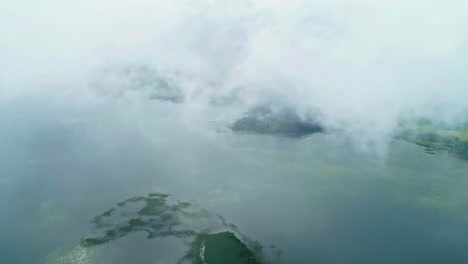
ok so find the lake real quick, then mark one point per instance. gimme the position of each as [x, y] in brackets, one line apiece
[317, 199]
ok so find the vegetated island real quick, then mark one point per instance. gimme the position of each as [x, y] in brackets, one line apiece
[432, 136]
[222, 248]
[158, 217]
[282, 122]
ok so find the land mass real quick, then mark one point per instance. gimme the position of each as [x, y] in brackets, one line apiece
[284, 122]
[436, 136]
[158, 217]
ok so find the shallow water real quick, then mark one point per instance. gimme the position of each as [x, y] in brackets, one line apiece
[317, 199]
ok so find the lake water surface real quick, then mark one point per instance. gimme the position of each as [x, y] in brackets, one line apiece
[317, 199]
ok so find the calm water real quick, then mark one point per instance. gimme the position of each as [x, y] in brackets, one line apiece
[317, 199]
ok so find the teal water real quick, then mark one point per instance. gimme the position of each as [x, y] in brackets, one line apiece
[316, 199]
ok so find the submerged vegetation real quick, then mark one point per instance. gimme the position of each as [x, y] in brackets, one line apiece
[436, 136]
[159, 217]
[285, 122]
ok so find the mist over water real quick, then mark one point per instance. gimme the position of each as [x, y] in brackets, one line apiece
[356, 65]
[105, 100]
[316, 199]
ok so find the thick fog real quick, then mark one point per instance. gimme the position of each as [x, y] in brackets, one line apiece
[358, 66]
[105, 100]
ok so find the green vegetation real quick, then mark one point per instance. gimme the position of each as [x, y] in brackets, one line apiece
[223, 248]
[108, 212]
[135, 199]
[160, 195]
[136, 222]
[111, 233]
[125, 229]
[154, 206]
[226, 248]
[89, 242]
[283, 122]
[436, 136]
[181, 205]
[160, 218]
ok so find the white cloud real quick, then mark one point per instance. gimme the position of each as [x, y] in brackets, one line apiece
[362, 64]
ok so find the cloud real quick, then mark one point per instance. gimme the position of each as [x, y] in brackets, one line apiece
[361, 64]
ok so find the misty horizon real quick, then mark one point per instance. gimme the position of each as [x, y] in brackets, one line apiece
[357, 66]
[236, 131]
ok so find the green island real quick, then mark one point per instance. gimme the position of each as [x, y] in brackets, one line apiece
[435, 136]
[158, 217]
[223, 248]
[283, 121]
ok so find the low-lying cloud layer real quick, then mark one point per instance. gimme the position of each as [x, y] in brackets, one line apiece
[359, 65]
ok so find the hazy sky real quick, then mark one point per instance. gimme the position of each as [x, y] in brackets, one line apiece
[362, 64]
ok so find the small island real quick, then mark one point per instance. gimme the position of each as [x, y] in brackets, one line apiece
[159, 217]
[282, 122]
